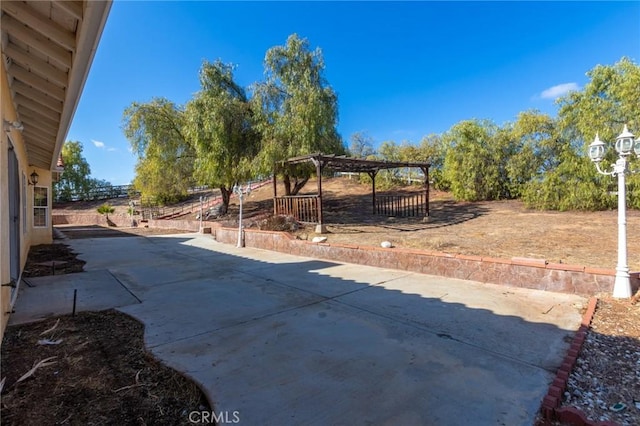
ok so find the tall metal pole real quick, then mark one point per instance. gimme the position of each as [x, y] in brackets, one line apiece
[622, 284]
[200, 225]
[240, 197]
[625, 145]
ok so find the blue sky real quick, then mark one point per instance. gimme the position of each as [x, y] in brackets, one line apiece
[402, 70]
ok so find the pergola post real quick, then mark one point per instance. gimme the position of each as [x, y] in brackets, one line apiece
[425, 171]
[372, 175]
[320, 227]
[275, 192]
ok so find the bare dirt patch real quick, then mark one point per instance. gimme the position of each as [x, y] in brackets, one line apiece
[502, 229]
[97, 370]
[52, 259]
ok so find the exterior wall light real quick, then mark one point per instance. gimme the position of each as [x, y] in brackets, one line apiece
[10, 125]
[33, 178]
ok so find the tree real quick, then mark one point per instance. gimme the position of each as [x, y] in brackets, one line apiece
[572, 185]
[474, 162]
[218, 124]
[164, 169]
[565, 178]
[536, 146]
[433, 149]
[296, 109]
[361, 145]
[76, 181]
[608, 101]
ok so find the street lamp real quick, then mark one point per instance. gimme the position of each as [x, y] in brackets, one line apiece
[240, 192]
[200, 215]
[625, 144]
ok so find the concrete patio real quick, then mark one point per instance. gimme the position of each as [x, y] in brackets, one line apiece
[281, 339]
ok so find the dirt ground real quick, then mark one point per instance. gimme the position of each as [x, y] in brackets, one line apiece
[503, 229]
[96, 369]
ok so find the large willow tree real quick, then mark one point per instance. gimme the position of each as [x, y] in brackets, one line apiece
[218, 124]
[164, 169]
[609, 100]
[296, 109]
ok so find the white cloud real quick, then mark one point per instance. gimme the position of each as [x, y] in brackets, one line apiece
[559, 90]
[111, 149]
[98, 143]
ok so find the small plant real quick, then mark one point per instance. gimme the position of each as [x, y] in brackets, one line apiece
[105, 209]
[279, 223]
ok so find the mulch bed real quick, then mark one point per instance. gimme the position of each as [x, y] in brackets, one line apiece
[96, 369]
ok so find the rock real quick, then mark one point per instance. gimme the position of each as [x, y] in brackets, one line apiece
[319, 239]
[616, 408]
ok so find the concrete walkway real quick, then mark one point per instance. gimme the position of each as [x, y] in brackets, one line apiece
[275, 339]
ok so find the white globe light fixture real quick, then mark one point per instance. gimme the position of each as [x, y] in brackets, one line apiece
[625, 144]
[241, 192]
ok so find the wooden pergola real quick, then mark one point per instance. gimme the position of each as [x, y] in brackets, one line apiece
[305, 208]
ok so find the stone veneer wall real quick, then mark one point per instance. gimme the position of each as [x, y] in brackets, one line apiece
[118, 219]
[124, 221]
[515, 272]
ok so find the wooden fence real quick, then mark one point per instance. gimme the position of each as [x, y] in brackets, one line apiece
[401, 205]
[304, 208]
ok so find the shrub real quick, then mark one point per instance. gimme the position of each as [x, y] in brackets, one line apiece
[105, 209]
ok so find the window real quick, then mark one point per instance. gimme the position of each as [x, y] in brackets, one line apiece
[40, 206]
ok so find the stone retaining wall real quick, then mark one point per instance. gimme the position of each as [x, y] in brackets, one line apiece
[515, 272]
[117, 219]
[183, 225]
[124, 220]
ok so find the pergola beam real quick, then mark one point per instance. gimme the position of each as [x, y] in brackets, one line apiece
[341, 163]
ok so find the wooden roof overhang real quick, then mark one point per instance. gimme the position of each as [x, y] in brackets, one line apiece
[341, 163]
[47, 49]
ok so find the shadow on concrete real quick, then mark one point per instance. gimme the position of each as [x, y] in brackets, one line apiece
[289, 340]
[94, 231]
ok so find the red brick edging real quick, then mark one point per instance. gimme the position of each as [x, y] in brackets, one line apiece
[550, 409]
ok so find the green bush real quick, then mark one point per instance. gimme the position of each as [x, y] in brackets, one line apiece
[106, 209]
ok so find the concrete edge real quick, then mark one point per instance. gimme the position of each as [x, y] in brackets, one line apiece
[184, 374]
[550, 409]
